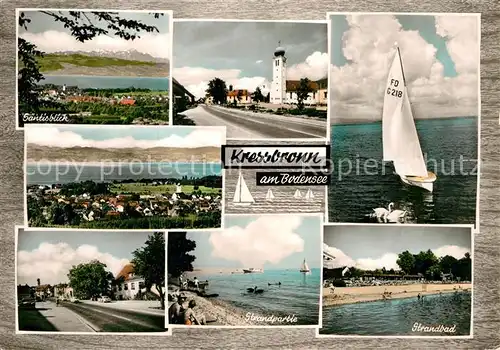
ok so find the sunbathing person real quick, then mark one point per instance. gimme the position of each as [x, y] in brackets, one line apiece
[176, 310]
[190, 318]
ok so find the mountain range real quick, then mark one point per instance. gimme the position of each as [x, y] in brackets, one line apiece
[36, 153]
[132, 55]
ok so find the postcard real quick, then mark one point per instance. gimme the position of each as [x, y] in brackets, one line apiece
[260, 271]
[123, 177]
[93, 66]
[260, 79]
[80, 281]
[383, 280]
[404, 113]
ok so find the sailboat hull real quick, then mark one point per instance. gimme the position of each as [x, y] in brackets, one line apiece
[426, 183]
[243, 204]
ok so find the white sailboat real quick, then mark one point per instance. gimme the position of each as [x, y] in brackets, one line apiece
[242, 195]
[305, 268]
[309, 195]
[269, 195]
[400, 139]
[297, 194]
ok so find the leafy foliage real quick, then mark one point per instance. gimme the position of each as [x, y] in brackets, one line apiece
[149, 263]
[218, 90]
[90, 280]
[303, 91]
[257, 96]
[179, 259]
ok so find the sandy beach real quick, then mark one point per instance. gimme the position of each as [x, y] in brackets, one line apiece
[351, 295]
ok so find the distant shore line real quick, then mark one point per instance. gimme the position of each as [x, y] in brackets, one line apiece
[114, 163]
[354, 295]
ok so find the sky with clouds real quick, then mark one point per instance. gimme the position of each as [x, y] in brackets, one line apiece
[112, 136]
[374, 247]
[241, 53]
[440, 56]
[267, 241]
[51, 36]
[49, 255]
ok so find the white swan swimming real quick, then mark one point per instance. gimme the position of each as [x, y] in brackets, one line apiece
[379, 213]
[394, 215]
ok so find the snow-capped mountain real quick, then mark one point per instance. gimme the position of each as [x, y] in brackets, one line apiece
[131, 54]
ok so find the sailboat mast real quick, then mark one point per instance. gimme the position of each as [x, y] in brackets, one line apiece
[241, 184]
[402, 68]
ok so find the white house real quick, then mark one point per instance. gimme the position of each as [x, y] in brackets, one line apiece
[131, 284]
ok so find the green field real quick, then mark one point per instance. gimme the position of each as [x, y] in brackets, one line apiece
[52, 62]
[158, 189]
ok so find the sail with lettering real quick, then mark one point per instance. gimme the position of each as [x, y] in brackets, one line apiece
[269, 195]
[297, 194]
[242, 195]
[401, 144]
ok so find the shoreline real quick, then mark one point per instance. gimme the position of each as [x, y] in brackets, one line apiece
[119, 163]
[355, 295]
[225, 313]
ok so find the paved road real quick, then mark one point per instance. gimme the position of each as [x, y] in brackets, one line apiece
[47, 317]
[107, 319]
[244, 124]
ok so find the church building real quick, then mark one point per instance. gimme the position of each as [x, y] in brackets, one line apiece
[284, 91]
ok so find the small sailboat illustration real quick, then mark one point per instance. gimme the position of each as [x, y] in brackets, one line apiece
[297, 194]
[242, 195]
[309, 195]
[269, 195]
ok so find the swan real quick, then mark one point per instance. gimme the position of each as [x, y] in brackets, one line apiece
[379, 213]
[394, 215]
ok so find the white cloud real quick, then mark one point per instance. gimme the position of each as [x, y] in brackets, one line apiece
[195, 79]
[269, 239]
[44, 135]
[357, 88]
[452, 250]
[341, 259]
[156, 45]
[315, 67]
[52, 262]
[387, 260]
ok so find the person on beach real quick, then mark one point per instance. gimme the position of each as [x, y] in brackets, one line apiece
[190, 317]
[196, 283]
[176, 310]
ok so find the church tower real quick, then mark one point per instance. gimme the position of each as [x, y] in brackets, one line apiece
[278, 86]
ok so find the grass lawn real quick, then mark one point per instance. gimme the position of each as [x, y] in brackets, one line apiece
[52, 62]
[147, 188]
[143, 93]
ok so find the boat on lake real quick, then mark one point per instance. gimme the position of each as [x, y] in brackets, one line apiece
[253, 270]
[305, 268]
[401, 144]
[297, 194]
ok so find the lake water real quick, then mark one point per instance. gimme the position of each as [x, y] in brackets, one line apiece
[102, 82]
[450, 146]
[45, 174]
[298, 294]
[397, 316]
